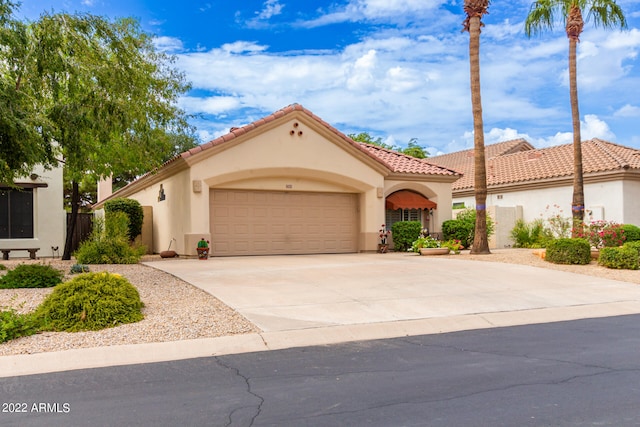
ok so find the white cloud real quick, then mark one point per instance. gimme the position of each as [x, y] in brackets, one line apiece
[398, 11]
[168, 44]
[361, 73]
[243, 47]
[209, 105]
[628, 111]
[271, 8]
[593, 127]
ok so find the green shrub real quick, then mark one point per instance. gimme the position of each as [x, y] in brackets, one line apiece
[132, 209]
[90, 301]
[530, 235]
[404, 233]
[625, 257]
[568, 251]
[3, 267]
[109, 243]
[454, 229]
[631, 232]
[635, 244]
[31, 276]
[14, 325]
[463, 227]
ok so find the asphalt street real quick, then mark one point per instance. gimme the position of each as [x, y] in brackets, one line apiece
[574, 373]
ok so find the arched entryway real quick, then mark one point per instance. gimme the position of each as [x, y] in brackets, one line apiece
[407, 205]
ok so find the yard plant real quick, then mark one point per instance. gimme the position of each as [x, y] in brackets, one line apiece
[31, 276]
[90, 301]
[568, 251]
[404, 233]
[109, 243]
[625, 257]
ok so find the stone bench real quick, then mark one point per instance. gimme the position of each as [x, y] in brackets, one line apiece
[32, 252]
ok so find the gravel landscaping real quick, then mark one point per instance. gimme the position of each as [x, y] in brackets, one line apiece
[175, 310]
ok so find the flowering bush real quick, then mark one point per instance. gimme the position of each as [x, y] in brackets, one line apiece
[601, 234]
[384, 233]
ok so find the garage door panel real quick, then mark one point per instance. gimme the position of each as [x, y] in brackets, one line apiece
[267, 222]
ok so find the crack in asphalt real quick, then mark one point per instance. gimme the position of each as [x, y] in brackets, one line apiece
[247, 382]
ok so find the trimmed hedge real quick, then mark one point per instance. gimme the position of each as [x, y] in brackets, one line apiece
[568, 251]
[404, 233]
[625, 258]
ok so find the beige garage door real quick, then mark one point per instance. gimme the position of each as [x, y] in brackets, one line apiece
[271, 222]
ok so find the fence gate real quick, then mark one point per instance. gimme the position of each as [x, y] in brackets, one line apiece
[84, 226]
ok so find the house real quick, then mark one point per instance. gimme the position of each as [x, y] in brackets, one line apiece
[288, 183]
[32, 215]
[528, 183]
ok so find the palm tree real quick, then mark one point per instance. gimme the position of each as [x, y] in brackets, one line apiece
[475, 10]
[542, 15]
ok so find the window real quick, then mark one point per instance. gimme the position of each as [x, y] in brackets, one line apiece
[393, 216]
[16, 213]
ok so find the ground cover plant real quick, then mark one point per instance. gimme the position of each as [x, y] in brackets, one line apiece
[14, 325]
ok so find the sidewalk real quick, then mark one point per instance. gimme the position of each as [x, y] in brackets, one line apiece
[325, 299]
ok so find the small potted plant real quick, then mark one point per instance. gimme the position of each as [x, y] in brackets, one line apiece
[383, 246]
[203, 249]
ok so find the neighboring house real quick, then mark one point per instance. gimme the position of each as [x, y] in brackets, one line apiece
[32, 215]
[288, 184]
[528, 183]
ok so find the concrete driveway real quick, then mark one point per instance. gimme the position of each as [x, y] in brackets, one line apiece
[324, 299]
[333, 298]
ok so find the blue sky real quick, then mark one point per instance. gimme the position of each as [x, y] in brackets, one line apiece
[397, 69]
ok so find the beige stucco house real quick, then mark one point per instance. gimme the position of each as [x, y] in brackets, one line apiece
[528, 183]
[288, 183]
[32, 215]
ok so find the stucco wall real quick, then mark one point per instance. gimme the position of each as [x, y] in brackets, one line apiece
[49, 217]
[171, 219]
[615, 201]
[297, 154]
[278, 161]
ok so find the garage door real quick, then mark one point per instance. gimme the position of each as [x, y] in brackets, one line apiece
[270, 222]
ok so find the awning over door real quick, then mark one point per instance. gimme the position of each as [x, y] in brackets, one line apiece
[405, 199]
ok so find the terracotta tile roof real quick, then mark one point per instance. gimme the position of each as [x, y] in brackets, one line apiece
[394, 161]
[401, 163]
[530, 165]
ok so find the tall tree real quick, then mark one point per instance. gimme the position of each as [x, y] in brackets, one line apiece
[543, 15]
[475, 10]
[24, 129]
[413, 149]
[109, 95]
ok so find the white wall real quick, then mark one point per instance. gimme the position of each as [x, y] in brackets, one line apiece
[49, 216]
[615, 201]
